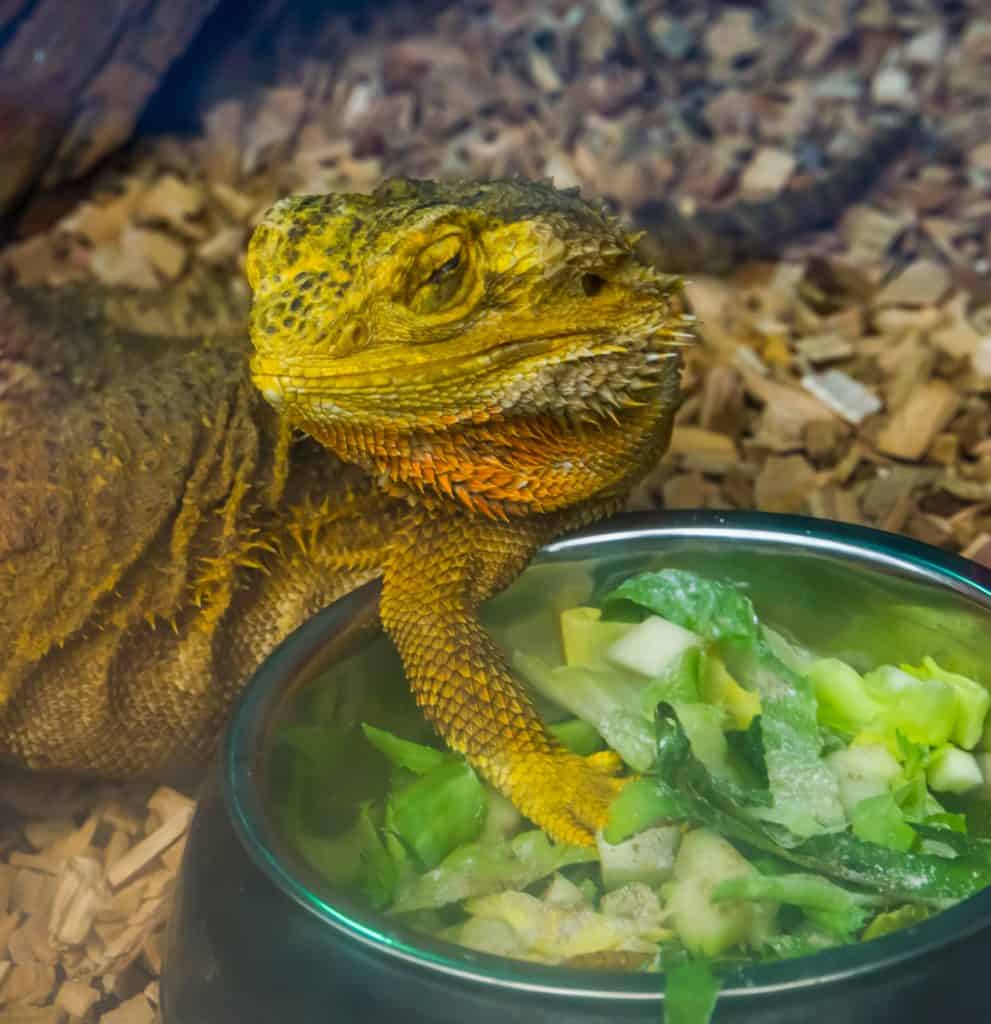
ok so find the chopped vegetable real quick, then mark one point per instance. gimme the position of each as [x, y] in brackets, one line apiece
[652, 646]
[785, 800]
[439, 811]
[586, 636]
[973, 701]
[646, 857]
[718, 688]
[602, 696]
[704, 861]
[690, 993]
[862, 772]
[835, 910]
[952, 770]
[879, 819]
[844, 703]
[477, 869]
[924, 710]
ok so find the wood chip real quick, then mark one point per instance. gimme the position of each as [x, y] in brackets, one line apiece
[825, 348]
[171, 200]
[911, 430]
[768, 172]
[979, 549]
[981, 358]
[703, 450]
[163, 253]
[30, 983]
[142, 854]
[134, 1011]
[732, 35]
[892, 86]
[76, 998]
[842, 393]
[76, 901]
[784, 483]
[923, 283]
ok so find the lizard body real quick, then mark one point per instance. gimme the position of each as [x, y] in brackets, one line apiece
[475, 369]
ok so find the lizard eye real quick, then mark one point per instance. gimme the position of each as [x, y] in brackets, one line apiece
[439, 275]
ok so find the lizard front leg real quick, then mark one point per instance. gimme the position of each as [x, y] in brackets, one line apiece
[437, 574]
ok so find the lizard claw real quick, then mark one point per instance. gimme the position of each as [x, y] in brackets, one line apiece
[566, 795]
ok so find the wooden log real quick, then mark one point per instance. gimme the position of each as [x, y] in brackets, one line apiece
[75, 77]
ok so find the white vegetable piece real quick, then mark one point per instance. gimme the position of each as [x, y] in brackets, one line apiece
[489, 935]
[652, 646]
[646, 857]
[564, 893]
[707, 929]
[862, 772]
[634, 902]
[952, 770]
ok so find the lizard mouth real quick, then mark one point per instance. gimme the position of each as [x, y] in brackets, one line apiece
[399, 379]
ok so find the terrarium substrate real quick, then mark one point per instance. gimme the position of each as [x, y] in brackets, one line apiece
[851, 379]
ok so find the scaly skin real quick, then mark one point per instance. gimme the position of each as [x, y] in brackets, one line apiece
[484, 367]
[498, 356]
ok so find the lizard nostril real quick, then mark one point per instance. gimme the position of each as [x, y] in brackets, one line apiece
[592, 284]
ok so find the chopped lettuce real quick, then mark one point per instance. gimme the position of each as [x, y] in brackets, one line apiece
[554, 932]
[477, 869]
[716, 611]
[879, 819]
[805, 793]
[690, 993]
[577, 736]
[437, 812]
[414, 757]
[604, 697]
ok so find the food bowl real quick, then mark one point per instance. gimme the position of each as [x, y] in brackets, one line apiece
[256, 936]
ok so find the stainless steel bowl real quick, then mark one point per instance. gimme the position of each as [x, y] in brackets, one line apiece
[256, 936]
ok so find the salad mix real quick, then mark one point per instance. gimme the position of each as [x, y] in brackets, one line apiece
[780, 803]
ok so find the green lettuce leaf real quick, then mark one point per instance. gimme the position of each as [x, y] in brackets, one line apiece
[690, 993]
[606, 698]
[805, 793]
[478, 869]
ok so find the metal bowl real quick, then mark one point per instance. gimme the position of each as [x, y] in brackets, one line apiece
[256, 937]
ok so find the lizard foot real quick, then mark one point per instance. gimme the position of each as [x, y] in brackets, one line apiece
[566, 795]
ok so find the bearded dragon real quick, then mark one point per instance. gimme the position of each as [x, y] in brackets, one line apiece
[437, 380]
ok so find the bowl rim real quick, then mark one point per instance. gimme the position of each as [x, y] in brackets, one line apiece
[836, 965]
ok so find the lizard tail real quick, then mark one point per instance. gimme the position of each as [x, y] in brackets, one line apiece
[714, 240]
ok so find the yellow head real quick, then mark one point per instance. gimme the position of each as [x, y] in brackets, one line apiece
[426, 305]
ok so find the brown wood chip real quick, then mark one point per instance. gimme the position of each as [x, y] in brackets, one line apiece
[911, 430]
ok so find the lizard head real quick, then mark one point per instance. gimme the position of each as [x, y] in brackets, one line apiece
[425, 304]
